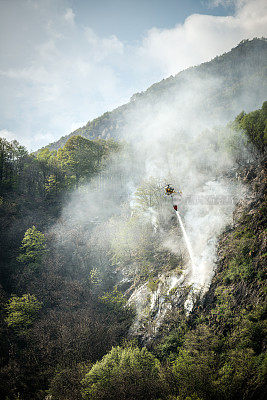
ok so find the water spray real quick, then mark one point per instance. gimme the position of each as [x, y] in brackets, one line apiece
[188, 244]
[170, 191]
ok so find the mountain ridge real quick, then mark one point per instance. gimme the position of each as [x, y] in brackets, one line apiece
[249, 59]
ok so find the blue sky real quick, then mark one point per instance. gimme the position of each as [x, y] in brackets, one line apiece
[129, 20]
[64, 62]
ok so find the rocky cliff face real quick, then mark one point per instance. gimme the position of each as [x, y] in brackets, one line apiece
[242, 248]
[238, 281]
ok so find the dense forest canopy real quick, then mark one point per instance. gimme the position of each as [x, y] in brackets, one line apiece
[99, 298]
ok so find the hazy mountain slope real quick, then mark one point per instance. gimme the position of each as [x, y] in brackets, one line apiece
[235, 82]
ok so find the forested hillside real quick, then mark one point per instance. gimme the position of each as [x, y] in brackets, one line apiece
[62, 313]
[240, 77]
[112, 289]
[52, 314]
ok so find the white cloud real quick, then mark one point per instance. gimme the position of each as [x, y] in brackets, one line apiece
[54, 72]
[76, 125]
[64, 75]
[69, 16]
[225, 3]
[217, 3]
[202, 37]
[8, 135]
[103, 47]
[31, 143]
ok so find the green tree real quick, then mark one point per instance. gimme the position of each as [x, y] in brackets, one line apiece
[114, 300]
[194, 369]
[149, 194]
[237, 375]
[50, 168]
[47, 156]
[79, 157]
[33, 248]
[11, 155]
[254, 125]
[22, 311]
[129, 373]
[51, 185]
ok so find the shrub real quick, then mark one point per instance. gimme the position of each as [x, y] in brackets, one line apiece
[237, 375]
[129, 373]
[21, 311]
[33, 248]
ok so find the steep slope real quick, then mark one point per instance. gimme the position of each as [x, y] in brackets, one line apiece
[219, 350]
[237, 83]
[159, 285]
[238, 285]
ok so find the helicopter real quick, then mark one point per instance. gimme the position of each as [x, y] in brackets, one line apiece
[170, 191]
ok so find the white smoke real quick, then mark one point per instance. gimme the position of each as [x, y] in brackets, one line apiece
[175, 140]
[171, 137]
